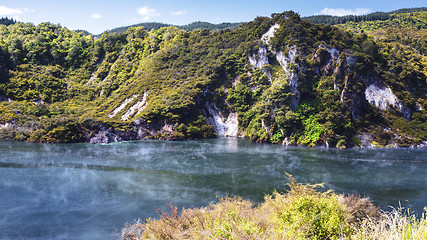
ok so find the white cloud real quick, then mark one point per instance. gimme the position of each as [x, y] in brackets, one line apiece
[10, 11]
[344, 12]
[95, 16]
[147, 13]
[28, 10]
[179, 13]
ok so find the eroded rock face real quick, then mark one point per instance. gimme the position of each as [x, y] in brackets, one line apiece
[122, 106]
[105, 137]
[137, 107]
[224, 126]
[232, 125]
[382, 97]
[423, 144]
[259, 59]
[335, 53]
[6, 125]
[326, 58]
[286, 61]
[138, 130]
[154, 130]
[266, 37]
[290, 68]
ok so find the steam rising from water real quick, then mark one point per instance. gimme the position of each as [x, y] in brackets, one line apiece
[83, 191]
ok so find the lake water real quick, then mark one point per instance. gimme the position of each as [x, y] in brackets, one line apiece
[84, 191]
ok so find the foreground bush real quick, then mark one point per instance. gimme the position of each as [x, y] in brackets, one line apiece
[301, 213]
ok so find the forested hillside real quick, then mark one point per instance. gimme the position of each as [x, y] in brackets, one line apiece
[189, 27]
[279, 79]
[376, 16]
[407, 29]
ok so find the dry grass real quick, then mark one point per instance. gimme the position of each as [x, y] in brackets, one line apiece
[301, 213]
[397, 224]
[359, 209]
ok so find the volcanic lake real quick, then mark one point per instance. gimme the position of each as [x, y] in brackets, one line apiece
[87, 191]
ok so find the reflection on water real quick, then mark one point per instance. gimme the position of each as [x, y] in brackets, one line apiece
[84, 191]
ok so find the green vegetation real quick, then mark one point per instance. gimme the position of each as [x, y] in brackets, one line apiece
[148, 26]
[67, 86]
[412, 20]
[376, 16]
[407, 29]
[7, 21]
[301, 213]
[401, 39]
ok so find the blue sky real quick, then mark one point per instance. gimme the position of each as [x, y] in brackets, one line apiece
[97, 16]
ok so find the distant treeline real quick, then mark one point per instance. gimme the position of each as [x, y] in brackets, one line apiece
[7, 21]
[332, 20]
[147, 26]
[189, 27]
[327, 19]
[210, 26]
[84, 32]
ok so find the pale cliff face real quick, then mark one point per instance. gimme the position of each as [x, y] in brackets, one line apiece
[285, 59]
[122, 106]
[269, 34]
[260, 59]
[137, 107]
[223, 126]
[382, 98]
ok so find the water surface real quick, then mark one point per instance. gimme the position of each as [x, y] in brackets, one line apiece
[84, 191]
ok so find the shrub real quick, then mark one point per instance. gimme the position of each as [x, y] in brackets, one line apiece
[305, 213]
[301, 213]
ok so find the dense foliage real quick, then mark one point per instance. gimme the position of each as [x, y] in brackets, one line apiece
[147, 26]
[408, 29]
[7, 21]
[189, 27]
[301, 213]
[58, 85]
[376, 16]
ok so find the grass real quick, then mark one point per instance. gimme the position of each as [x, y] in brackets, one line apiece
[301, 213]
[397, 224]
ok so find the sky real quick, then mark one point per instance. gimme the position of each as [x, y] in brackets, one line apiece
[97, 16]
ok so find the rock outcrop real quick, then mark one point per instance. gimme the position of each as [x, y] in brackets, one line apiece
[224, 126]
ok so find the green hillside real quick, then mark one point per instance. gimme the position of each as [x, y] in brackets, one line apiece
[282, 79]
[376, 16]
[408, 29]
[189, 27]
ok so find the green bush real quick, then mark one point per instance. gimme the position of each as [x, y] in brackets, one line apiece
[302, 213]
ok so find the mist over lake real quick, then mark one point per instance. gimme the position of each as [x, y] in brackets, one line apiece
[85, 191]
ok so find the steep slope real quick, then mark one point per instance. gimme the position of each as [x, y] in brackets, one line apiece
[278, 79]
